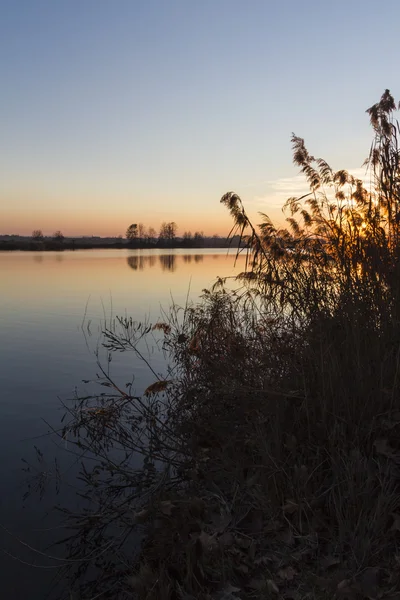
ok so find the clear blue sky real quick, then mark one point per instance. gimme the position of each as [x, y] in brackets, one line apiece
[120, 111]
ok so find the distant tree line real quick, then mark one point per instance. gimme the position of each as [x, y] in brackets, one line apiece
[139, 236]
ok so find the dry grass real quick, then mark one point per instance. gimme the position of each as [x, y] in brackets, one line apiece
[271, 448]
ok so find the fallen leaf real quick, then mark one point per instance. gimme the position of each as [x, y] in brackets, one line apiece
[344, 585]
[156, 387]
[287, 574]
[292, 595]
[141, 515]
[253, 522]
[220, 522]
[272, 526]
[228, 593]
[290, 507]
[197, 506]
[166, 507]
[368, 582]
[396, 522]
[272, 587]
[243, 542]
[242, 568]
[256, 584]
[286, 537]
[252, 552]
[263, 560]
[329, 561]
[291, 442]
[226, 539]
[383, 447]
[207, 541]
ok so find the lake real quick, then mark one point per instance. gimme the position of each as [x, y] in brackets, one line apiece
[53, 306]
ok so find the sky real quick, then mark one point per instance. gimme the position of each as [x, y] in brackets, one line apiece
[121, 111]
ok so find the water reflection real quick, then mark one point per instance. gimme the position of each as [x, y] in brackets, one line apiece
[167, 262]
[139, 262]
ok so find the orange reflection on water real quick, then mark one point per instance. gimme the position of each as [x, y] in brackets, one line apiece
[135, 282]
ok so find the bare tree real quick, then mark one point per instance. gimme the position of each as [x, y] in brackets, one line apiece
[37, 235]
[168, 233]
[58, 236]
[132, 232]
[141, 229]
[151, 235]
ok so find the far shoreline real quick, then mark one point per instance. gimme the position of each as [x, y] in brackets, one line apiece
[51, 246]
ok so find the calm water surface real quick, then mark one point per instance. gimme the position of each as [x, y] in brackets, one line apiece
[52, 306]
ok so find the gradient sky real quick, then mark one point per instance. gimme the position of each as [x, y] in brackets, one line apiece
[121, 111]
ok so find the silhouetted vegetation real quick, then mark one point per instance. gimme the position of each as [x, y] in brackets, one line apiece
[137, 237]
[37, 235]
[271, 444]
[58, 236]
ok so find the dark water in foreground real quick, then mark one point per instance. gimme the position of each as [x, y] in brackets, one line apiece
[45, 352]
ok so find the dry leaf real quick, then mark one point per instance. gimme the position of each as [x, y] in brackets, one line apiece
[272, 526]
[329, 561]
[287, 574]
[291, 442]
[292, 595]
[228, 592]
[242, 568]
[156, 387]
[263, 560]
[141, 515]
[253, 522]
[226, 539]
[162, 327]
[166, 507]
[256, 584]
[368, 582]
[207, 541]
[243, 542]
[290, 507]
[252, 552]
[344, 585]
[396, 522]
[220, 522]
[197, 506]
[383, 447]
[272, 587]
[286, 537]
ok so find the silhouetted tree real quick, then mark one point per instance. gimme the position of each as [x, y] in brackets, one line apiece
[151, 236]
[141, 230]
[58, 236]
[198, 239]
[167, 233]
[132, 232]
[187, 239]
[37, 235]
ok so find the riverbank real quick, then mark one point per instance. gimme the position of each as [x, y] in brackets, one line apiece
[53, 245]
